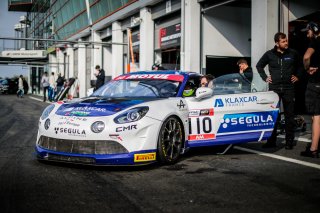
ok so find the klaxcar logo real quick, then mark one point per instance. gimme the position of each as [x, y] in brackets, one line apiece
[235, 101]
[218, 103]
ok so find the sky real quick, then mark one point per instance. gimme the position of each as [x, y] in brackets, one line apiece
[7, 21]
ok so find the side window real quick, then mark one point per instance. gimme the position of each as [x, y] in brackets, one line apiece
[231, 84]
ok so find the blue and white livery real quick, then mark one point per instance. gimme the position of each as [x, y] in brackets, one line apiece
[143, 117]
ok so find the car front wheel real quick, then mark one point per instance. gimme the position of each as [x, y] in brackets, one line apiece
[170, 140]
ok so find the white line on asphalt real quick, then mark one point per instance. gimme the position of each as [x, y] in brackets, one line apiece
[297, 138]
[313, 165]
[38, 99]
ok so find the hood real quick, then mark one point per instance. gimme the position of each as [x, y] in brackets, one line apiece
[92, 107]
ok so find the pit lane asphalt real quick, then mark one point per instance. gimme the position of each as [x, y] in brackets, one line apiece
[202, 181]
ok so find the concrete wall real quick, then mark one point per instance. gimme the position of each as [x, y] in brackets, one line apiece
[298, 8]
[227, 32]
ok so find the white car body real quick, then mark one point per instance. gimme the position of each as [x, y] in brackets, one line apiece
[66, 131]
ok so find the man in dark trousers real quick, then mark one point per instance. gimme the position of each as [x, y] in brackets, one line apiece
[285, 66]
[311, 61]
[100, 74]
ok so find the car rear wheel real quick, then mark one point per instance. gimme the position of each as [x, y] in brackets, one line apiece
[170, 140]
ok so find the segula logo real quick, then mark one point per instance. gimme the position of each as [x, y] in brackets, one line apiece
[249, 121]
[70, 131]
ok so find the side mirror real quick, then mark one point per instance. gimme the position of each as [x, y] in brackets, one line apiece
[203, 92]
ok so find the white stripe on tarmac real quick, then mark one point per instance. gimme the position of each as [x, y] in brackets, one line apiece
[38, 99]
[296, 138]
[291, 160]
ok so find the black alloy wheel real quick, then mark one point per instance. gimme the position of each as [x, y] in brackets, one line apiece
[170, 140]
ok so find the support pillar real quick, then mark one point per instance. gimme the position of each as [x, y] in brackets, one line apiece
[117, 50]
[265, 23]
[146, 38]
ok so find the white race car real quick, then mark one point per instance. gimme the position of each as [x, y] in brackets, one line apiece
[142, 117]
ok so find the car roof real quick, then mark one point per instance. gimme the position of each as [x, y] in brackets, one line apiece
[172, 72]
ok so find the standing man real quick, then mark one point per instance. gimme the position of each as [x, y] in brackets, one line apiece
[20, 87]
[311, 61]
[59, 83]
[284, 67]
[100, 74]
[52, 86]
[245, 70]
[45, 85]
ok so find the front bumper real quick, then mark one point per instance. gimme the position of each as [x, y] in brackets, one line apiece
[132, 158]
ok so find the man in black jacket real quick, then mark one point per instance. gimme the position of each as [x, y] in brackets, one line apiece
[100, 74]
[245, 70]
[285, 65]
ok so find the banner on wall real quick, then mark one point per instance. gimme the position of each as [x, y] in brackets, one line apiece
[170, 36]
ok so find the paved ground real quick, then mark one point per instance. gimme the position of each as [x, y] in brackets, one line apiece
[246, 179]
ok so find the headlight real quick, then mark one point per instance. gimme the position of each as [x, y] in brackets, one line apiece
[47, 124]
[47, 111]
[131, 115]
[97, 126]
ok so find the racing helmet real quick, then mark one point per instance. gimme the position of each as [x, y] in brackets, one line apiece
[189, 89]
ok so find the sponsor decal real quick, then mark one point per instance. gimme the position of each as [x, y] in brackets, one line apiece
[234, 101]
[201, 112]
[83, 111]
[145, 157]
[70, 131]
[73, 118]
[181, 104]
[201, 137]
[68, 123]
[90, 109]
[194, 113]
[125, 128]
[115, 136]
[218, 103]
[247, 121]
[151, 76]
[201, 127]
[78, 113]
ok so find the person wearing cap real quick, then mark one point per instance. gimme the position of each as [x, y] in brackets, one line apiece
[245, 70]
[311, 61]
[285, 66]
[100, 74]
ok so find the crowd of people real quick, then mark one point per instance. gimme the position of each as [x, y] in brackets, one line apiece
[51, 86]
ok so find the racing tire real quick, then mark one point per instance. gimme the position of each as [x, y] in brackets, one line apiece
[170, 141]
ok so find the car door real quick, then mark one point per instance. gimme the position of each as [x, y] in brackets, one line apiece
[233, 114]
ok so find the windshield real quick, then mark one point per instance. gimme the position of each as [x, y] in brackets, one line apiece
[149, 88]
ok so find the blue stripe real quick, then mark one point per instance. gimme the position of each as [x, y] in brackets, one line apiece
[230, 139]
